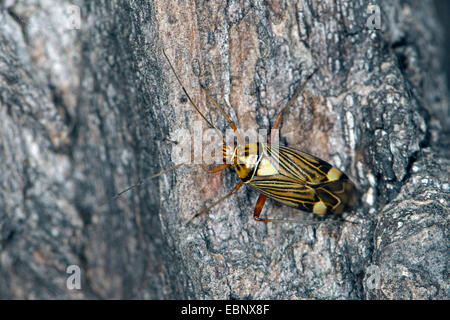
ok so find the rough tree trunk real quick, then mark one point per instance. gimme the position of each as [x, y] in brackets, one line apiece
[85, 112]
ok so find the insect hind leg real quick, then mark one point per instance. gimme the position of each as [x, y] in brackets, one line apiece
[260, 205]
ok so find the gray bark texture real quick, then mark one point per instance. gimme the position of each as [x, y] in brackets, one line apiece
[89, 108]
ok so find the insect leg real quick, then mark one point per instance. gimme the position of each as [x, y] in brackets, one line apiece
[213, 170]
[288, 104]
[235, 189]
[259, 206]
[219, 168]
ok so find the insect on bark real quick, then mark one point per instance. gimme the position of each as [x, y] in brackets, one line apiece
[286, 175]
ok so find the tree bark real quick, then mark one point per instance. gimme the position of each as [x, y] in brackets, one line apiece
[88, 108]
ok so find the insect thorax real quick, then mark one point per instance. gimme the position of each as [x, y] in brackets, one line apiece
[249, 160]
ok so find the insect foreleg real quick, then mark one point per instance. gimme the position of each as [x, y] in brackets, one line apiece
[219, 168]
[235, 189]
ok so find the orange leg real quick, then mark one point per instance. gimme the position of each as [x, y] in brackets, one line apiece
[258, 208]
[235, 189]
[276, 125]
[219, 168]
[260, 205]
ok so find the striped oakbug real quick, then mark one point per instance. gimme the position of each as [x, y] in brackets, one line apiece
[286, 175]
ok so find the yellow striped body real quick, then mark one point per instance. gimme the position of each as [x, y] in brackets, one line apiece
[294, 178]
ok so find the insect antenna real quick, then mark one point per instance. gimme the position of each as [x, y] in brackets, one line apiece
[190, 100]
[142, 181]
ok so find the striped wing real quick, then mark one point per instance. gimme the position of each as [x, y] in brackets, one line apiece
[300, 180]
